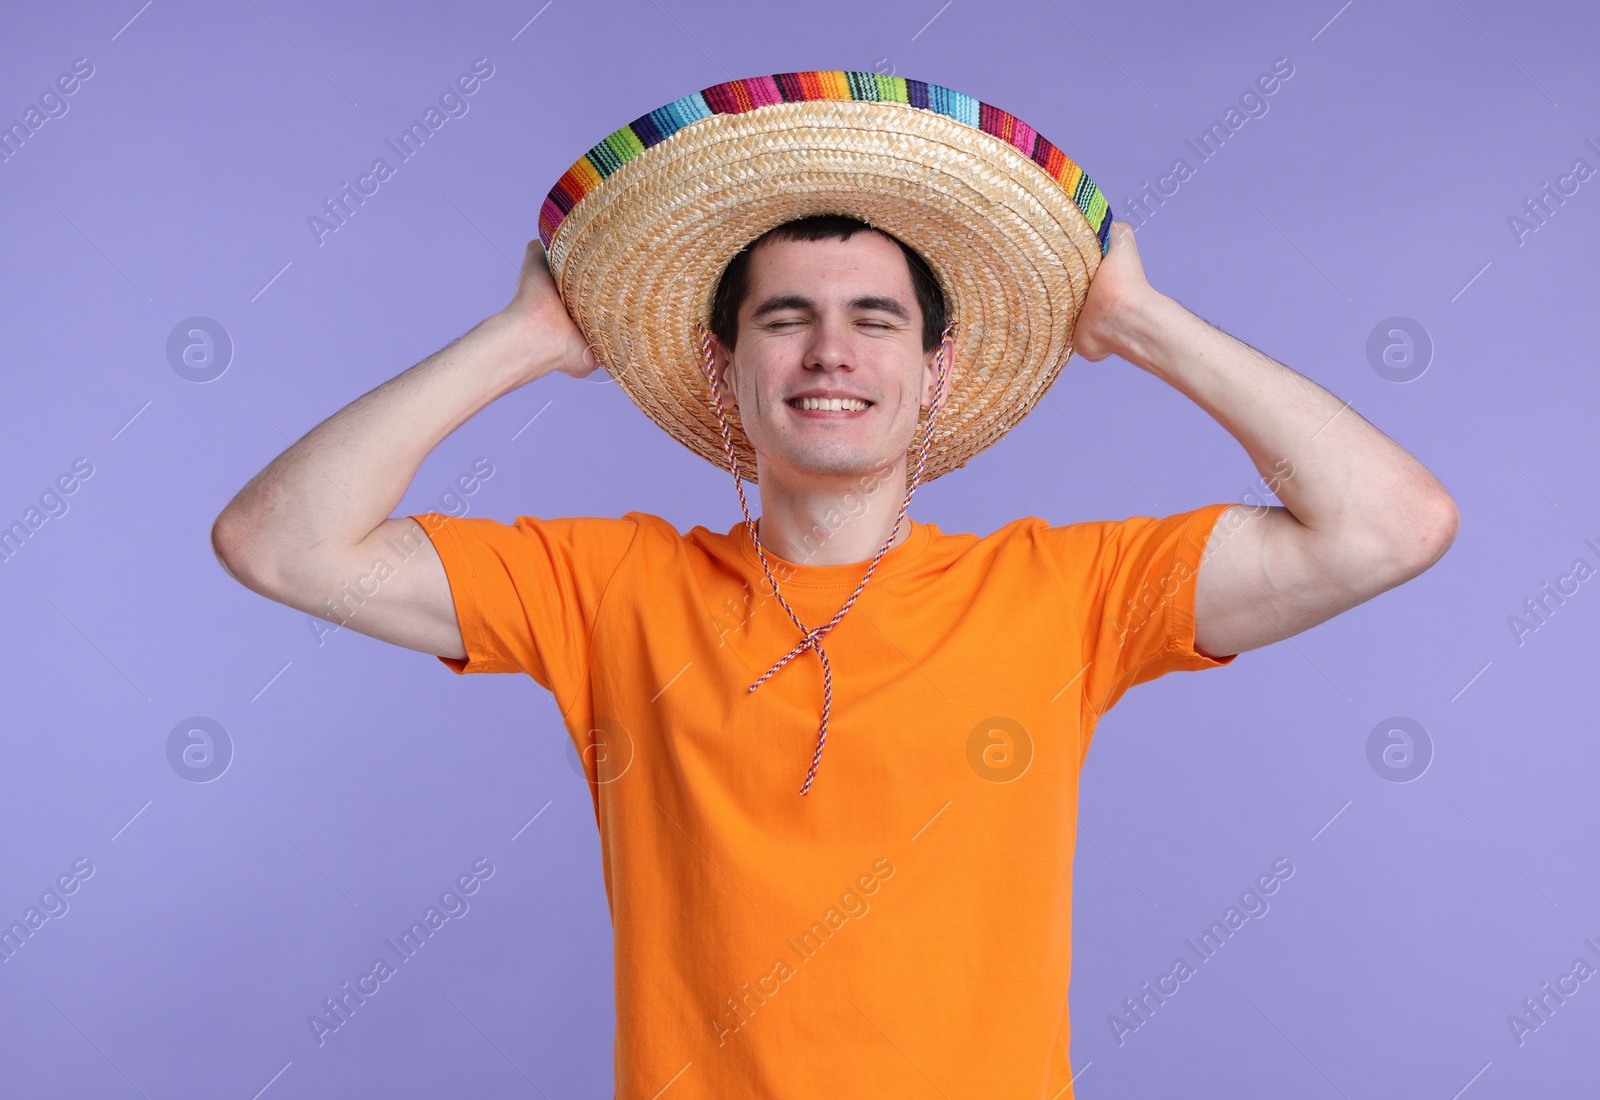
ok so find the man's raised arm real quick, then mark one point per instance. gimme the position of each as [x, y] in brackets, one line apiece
[1360, 515]
[309, 522]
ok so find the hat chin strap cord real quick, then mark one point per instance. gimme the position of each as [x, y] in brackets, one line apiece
[813, 638]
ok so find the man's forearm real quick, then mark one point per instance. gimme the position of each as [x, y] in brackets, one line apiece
[1335, 473]
[344, 477]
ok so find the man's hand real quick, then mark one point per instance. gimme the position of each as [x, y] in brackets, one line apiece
[537, 309]
[1117, 290]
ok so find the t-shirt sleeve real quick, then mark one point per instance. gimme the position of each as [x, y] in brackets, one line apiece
[1130, 585]
[527, 593]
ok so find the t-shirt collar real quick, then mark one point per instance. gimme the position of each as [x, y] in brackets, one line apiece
[849, 574]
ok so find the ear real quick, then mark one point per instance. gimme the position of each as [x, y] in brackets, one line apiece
[930, 377]
[724, 371]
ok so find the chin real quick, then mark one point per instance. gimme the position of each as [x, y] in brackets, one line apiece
[831, 463]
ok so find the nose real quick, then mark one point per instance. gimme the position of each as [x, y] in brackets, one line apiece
[828, 348]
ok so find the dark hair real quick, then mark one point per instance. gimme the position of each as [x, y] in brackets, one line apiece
[735, 282]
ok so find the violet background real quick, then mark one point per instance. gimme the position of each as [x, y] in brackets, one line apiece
[366, 777]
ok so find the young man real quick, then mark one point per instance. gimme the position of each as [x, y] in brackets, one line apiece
[904, 928]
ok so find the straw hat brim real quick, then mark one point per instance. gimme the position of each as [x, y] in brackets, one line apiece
[638, 259]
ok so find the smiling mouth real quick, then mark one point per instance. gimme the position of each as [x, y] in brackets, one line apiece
[828, 404]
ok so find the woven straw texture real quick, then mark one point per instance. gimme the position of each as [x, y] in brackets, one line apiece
[638, 256]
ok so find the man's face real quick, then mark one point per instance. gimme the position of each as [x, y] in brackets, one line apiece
[829, 318]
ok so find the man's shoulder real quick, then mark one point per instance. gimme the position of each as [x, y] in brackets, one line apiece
[591, 525]
[636, 527]
[629, 531]
[659, 535]
[1031, 536]
[1020, 530]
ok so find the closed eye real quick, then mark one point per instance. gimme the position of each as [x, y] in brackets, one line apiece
[781, 324]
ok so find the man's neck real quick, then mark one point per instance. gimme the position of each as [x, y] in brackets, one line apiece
[834, 525]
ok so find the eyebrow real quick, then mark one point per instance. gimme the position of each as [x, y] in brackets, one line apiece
[798, 301]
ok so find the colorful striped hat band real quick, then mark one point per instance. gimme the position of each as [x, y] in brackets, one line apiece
[639, 231]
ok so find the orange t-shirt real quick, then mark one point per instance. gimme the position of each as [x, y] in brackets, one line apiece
[904, 928]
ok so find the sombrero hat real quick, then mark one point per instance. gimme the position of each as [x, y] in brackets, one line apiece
[640, 229]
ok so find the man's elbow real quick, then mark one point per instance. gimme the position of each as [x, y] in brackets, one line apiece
[231, 547]
[1430, 530]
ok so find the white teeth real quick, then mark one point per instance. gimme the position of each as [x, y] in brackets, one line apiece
[829, 404]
